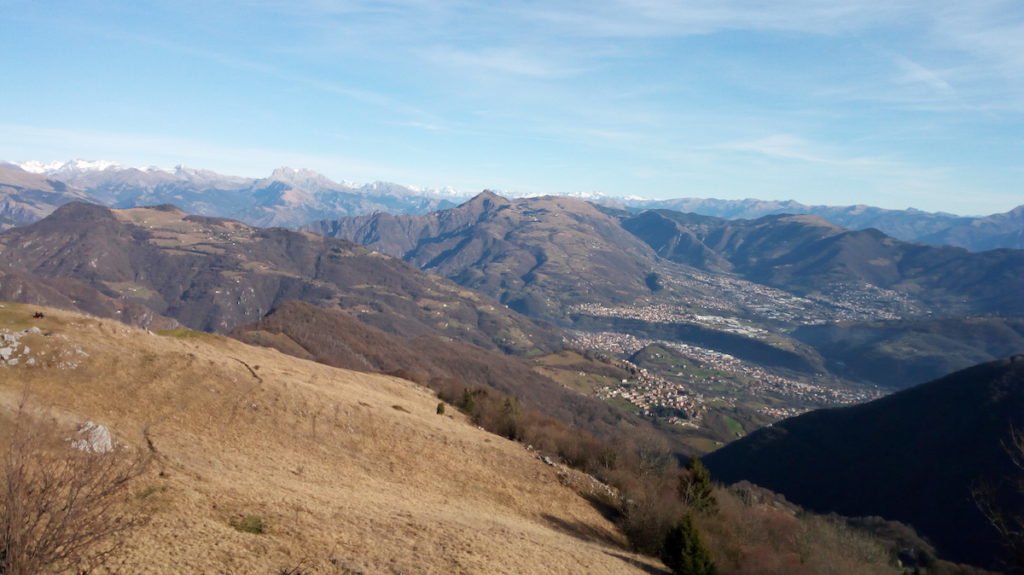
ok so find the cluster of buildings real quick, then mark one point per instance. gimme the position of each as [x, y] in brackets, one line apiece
[683, 389]
[682, 392]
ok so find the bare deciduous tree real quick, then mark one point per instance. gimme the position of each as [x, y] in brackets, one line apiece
[1008, 520]
[61, 508]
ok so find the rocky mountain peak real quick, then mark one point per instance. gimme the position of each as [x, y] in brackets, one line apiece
[302, 178]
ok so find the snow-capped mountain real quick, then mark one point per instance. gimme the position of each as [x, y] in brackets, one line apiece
[71, 166]
[287, 197]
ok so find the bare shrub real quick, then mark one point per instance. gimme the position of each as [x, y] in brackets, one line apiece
[651, 508]
[830, 545]
[1003, 505]
[756, 534]
[61, 508]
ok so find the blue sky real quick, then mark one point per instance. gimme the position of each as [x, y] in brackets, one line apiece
[892, 103]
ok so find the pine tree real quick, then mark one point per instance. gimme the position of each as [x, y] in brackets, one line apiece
[684, 552]
[695, 488]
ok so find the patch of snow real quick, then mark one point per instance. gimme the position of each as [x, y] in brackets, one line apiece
[65, 167]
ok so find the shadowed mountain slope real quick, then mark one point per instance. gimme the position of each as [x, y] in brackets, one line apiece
[900, 353]
[22, 287]
[214, 274]
[913, 456]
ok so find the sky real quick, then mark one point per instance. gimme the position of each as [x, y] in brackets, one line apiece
[892, 103]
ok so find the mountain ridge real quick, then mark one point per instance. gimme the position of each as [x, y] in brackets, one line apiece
[976, 233]
[197, 191]
[808, 256]
[524, 252]
[215, 274]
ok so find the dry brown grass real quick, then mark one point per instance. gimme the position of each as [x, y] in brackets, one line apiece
[342, 479]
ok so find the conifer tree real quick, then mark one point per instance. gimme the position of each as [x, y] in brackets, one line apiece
[695, 488]
[684, 552]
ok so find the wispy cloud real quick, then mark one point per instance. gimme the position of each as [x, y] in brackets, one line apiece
[637, 18]
[794, 148]
[502, 61]
[780, 146]
[915, 74]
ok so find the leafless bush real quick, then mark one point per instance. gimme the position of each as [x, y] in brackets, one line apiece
[61, 508]
[752, 536]
[650, 509]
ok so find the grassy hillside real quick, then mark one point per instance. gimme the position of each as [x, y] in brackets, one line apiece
[348, 472]
[335, 338]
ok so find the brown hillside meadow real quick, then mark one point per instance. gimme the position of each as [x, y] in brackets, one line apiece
[264, 463]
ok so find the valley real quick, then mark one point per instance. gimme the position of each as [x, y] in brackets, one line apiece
[734, 318]
[407, 287]
[614, 341]
[737, 305]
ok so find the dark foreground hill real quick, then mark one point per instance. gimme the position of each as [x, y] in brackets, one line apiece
[213, 274]
[915, 456]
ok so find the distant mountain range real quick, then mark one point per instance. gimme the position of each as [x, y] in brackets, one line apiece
[288, 197]
[1005, 230]
[26, 197]
[914, 456]
[295, 197]
[809, 256]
